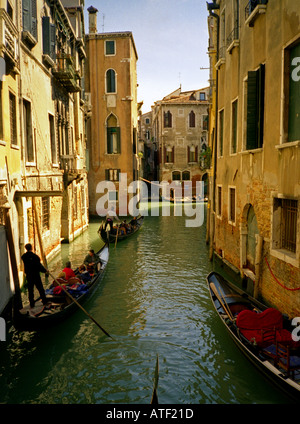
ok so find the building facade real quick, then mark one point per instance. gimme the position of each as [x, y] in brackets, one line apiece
[111, 80]
[180, 131]
[255, 204]
[42, 149]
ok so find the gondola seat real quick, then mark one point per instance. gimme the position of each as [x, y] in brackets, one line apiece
[264, 328]
[286, 361]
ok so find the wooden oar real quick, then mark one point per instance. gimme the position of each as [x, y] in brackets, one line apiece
[117, 237]
[78, 304]
[154, 399]
[226, 308]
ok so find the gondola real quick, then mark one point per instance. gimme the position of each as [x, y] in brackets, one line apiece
[263, 334]
[60, 306]
[112, 235]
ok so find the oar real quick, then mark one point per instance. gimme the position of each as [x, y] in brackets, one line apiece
[117, 237]
[78, 304]
[226, 309]
[154, 399]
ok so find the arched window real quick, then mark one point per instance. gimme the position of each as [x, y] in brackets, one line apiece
[186, 176]
[176, 175]
[113, 135]
[192, 119]
[110, 81]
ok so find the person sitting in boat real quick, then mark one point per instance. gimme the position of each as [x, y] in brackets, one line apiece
[68, 271]
[84, 274]
[122, 229]
[133, 223]
[91, 262]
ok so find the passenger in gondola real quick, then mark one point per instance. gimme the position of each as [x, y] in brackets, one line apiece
[92, 261]
[68, 271]
[133, 223]
[84, 274]
[122, 228]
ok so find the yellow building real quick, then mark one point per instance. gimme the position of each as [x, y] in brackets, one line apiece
[256, 201]
[111, 80]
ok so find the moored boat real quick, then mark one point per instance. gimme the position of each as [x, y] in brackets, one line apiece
[263, 334]
[119, 232]
[60, 306]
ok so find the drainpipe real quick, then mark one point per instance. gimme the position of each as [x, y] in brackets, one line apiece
[211, 7]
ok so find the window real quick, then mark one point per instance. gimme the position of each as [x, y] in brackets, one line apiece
[231, 215]
[219, 201]
[255, 108]
[45, 211]
[192, 153]
[221, 131]
[48, 37]
[147, 121]
[234, 110]
[167, 119]
[291, 114]
[110, 81]
[29, 13]
[9, 10]
[110, 48]
[169, 154]
[112, 174]
[192, 119]
[52, 139]
[113, 136]
[285, 217]
[202, 96]
[13, 119]
[186, 176]
[176, 176]
[205, 122]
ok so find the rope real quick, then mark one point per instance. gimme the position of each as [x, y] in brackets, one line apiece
[286, 288]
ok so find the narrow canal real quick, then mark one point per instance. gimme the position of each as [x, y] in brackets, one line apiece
[153, 301]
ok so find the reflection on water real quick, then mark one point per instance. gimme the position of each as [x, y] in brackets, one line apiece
[153, 300]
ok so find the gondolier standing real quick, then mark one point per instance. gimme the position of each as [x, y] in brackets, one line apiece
[33, 267]
[110, 217]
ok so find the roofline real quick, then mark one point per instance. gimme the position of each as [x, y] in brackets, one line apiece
[120, 34]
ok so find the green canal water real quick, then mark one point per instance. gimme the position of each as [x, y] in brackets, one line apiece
[154, 301]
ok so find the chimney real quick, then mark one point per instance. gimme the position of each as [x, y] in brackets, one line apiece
[92, 20]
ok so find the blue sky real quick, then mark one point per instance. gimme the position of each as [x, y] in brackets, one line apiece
[171, 39]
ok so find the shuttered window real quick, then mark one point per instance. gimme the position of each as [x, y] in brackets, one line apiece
[112, 174]
[13, 119]
[294, 94]
[192, 119]
[221, 132]
[234, 126]
[110, 81]
[167, 119]
[48, 37]
[29, 15]
[255, 108]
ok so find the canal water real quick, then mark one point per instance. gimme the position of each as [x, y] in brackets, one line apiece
[154, 302]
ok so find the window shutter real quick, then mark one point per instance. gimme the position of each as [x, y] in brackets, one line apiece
[118, 129]
[34, 19]
[196, 154]
[52, 41]
[107, 174]
[165, 154]
[188, 153]
[109, 141]
[173, 153]
[252, 110]
[46, 34]
[261, 104]
[26, 9]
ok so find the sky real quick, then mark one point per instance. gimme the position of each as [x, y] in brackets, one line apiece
[171, 39]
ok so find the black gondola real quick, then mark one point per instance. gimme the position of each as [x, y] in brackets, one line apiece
[60, 306]
[112, 235]
[263, 334]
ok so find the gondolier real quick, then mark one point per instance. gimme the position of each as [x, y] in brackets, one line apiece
[33, 267]
[110, 217]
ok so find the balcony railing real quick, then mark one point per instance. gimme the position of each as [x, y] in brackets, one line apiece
[233, 36]
[8, 38]
[65, 72]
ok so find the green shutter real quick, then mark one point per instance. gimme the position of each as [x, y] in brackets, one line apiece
[109, 141]
[252, 110]
[118, 129]
[294, 96]
[46, 34]
[26, 9]
[261, 104]
[107, 174]
[52, 41]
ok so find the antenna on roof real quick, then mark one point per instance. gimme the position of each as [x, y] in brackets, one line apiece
[179, 77]
[103, 17]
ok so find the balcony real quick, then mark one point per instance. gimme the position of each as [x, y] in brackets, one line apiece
[253, 9]
[65, 73]
[8, 39]
[232, 39]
